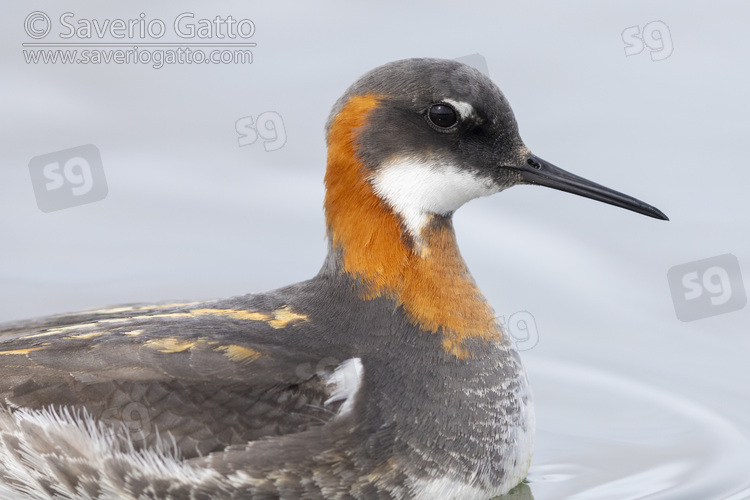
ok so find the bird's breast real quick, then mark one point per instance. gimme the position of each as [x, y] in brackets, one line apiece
[427, 278]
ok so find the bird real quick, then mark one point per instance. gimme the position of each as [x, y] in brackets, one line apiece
[384, 376]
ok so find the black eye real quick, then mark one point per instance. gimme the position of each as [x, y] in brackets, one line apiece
[442, 115]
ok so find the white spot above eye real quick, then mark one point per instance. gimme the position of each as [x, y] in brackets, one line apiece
[416, 189]
[464, 109]
[346, 381]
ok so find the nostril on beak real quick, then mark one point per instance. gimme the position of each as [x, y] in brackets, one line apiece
[534, 163]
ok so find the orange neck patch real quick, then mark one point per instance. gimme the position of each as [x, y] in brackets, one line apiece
[432, 284]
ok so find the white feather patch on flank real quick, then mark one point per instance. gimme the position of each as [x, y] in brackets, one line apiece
[346, 380]
[415, 189]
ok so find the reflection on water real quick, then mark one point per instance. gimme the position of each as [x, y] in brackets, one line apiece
[602, 436]
[520, 492]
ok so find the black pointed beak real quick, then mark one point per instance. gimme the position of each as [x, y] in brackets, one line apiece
[534, 170]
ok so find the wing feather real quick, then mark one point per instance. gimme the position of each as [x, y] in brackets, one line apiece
[209, 375]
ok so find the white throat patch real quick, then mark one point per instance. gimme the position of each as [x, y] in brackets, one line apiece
[417, 189]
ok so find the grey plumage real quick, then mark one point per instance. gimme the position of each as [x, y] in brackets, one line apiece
[386, 376]
[199, 408]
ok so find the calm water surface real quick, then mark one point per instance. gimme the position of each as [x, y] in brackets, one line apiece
[603, 436]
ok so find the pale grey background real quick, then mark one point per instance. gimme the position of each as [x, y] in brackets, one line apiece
[190, 214]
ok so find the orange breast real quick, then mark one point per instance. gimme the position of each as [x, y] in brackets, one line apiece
[431, 283]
